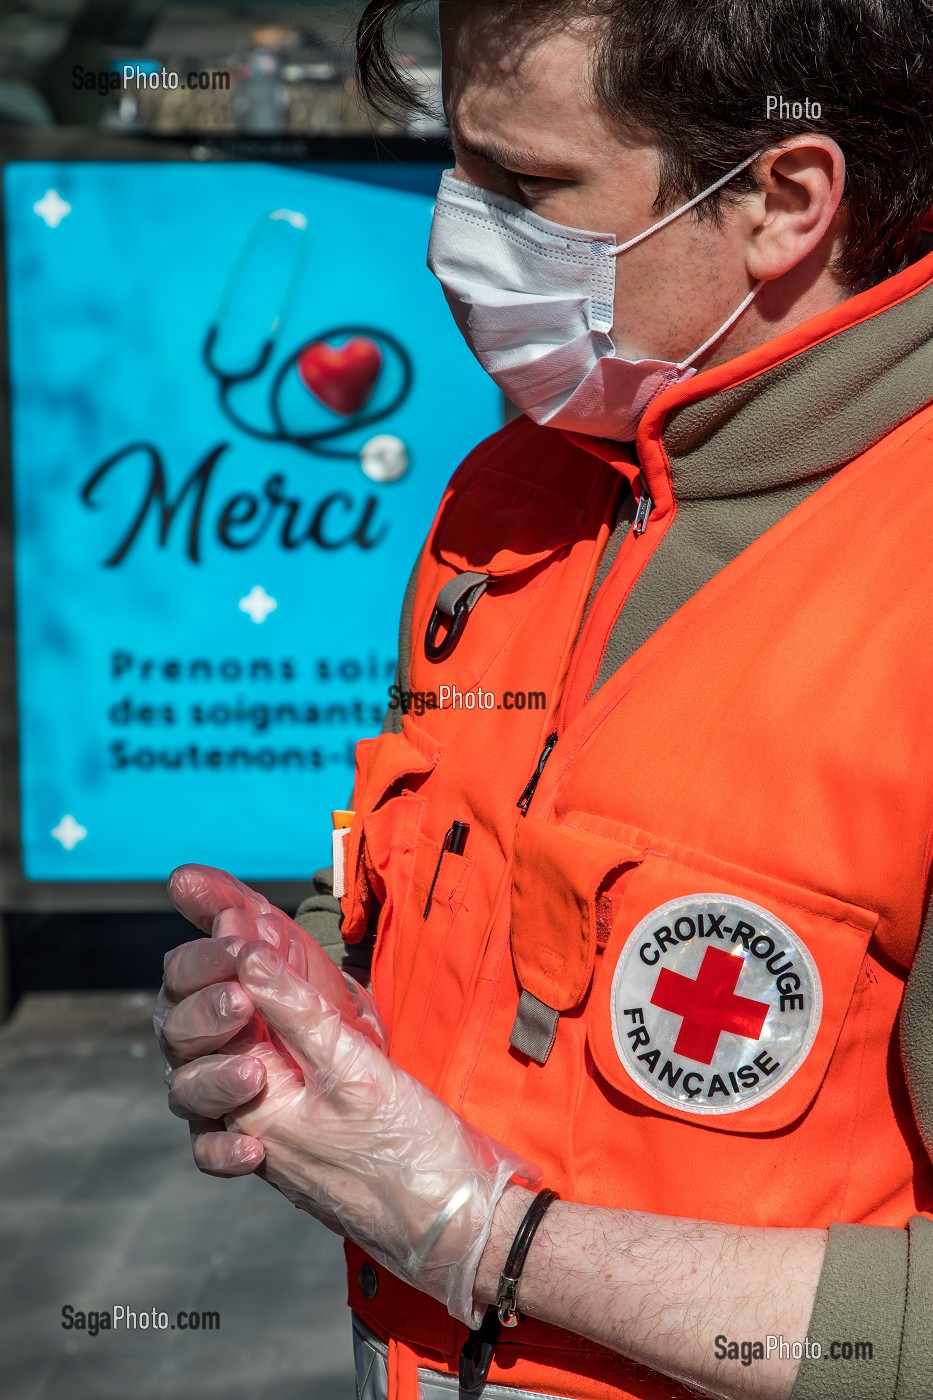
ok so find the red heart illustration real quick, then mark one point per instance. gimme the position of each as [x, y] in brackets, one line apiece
[341, 376]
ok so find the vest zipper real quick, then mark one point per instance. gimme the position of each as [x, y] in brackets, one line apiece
[645, 536]
[524, 802]
[645, 507]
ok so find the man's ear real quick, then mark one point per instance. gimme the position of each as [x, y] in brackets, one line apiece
[797, 205]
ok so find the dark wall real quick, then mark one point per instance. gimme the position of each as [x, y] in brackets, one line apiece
[89, 951]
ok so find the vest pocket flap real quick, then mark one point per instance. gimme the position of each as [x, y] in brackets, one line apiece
[502, 525]
[386, 767]
[384, 761]
[721, 995]
[557, 875]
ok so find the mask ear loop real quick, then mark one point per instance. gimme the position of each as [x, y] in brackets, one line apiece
[726, 326]
[685, 208]
[669, 219]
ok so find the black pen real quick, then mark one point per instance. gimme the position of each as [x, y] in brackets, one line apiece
[454, 842]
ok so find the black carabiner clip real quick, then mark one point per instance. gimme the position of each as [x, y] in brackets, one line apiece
[437, 651]
[478, 1349]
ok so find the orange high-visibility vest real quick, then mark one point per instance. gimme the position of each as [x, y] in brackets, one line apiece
[769, 748]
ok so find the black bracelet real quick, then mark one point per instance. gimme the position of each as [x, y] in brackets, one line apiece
[477, 1353]
[506, 1306]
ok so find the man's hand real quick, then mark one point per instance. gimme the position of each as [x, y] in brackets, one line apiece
[201, 1010]
[364, 1147]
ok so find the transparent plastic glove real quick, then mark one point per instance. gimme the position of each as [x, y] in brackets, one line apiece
[219, 904]
[200, 1005]
[201, 1010]
[202, 894]
[367, 1149]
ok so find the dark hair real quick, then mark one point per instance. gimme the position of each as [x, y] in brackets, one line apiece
[697, 73]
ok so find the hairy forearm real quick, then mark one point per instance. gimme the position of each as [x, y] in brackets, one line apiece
[659, 1289]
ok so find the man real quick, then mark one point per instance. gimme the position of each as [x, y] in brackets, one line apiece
[647, 947]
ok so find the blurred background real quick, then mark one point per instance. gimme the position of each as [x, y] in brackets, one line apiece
[230, 398]
[290, 66]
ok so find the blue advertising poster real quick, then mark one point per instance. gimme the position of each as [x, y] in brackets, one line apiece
[237, 395]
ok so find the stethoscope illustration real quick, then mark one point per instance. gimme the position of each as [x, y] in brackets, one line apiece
[384, 457]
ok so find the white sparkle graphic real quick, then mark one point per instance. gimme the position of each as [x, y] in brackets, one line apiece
[69, 832]
[51, 208]
[258, 604]
[290, 216]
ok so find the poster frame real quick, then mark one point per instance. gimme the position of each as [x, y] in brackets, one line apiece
[17, 893]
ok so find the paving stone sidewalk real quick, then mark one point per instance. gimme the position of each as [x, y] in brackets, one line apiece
[100, 1205]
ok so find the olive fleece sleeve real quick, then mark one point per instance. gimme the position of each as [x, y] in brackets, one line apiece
[860, 1299]
[319, 914]
[876, 1288]
[877, 1284]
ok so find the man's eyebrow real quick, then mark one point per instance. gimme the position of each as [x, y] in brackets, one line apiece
[510, 157]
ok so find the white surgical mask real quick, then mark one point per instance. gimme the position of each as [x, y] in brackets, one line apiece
[534, 301]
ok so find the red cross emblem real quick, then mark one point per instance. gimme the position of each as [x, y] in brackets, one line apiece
[708, 1005]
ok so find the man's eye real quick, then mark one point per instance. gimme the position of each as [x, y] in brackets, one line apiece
[529, 182]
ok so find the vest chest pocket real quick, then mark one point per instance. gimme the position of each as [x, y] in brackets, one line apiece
[389, 810]
[432, 955]
[716, 995]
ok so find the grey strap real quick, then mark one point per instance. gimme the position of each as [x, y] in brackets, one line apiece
[468, 586]
[535, 1028]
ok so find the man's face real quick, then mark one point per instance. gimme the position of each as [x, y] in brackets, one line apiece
[524, 124]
